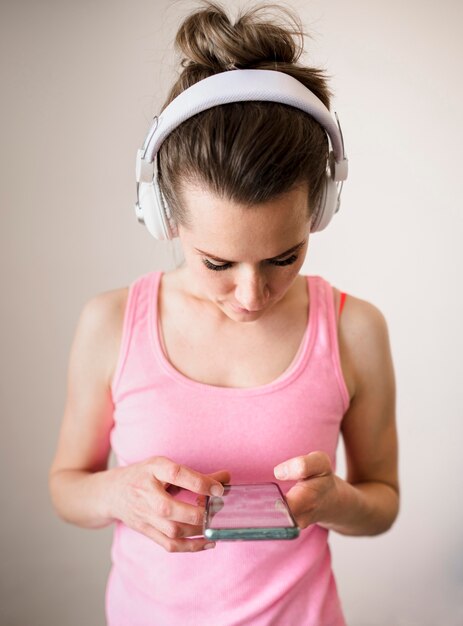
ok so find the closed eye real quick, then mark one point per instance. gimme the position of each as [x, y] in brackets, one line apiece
[280, 263]
[289, 261]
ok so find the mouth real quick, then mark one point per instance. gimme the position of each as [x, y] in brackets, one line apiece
[239, 309]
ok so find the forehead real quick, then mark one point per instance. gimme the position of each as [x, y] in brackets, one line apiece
[228, 229]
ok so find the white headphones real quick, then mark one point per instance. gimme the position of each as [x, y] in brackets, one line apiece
[151, 207]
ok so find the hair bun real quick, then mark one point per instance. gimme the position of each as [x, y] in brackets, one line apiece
[207, 38]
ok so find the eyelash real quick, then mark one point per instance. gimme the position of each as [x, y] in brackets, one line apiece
[217, 268]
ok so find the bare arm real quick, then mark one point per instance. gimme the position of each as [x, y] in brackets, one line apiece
[83, 491]
[367, 502]
[369, 498]
[78, 477]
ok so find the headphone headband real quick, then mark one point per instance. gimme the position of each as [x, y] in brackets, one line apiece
[151, 207]
[235, 86]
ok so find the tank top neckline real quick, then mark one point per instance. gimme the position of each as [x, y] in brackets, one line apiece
[292, 372]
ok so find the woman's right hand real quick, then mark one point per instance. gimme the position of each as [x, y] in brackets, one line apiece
[139, 498]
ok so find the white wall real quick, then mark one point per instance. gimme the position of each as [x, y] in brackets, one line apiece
[80, 83]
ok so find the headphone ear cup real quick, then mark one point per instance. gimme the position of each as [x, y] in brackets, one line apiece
[154, 211]
[165, 215]
[150, 211]
[328, 204]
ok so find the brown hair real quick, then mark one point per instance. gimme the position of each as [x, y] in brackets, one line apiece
[248, 152]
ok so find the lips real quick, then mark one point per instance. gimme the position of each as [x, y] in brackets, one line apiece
[240, 309]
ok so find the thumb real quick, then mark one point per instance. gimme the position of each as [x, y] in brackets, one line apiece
[305, 466]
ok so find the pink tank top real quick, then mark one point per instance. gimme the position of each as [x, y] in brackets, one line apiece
[159, 411]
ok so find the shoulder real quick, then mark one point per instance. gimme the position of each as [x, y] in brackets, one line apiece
[363, 341]
[363, 323]
[105, 308]
[358, 315]
[100, 324]
[362, 319]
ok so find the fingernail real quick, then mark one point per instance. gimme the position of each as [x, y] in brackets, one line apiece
[217, 490]
[207, 546]
[281, 471]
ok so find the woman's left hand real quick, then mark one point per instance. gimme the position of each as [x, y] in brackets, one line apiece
[315, 497]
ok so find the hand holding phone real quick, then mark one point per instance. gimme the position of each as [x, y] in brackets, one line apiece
[143, 498]
[254, 511]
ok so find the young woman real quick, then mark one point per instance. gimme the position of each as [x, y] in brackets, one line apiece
[232, 368]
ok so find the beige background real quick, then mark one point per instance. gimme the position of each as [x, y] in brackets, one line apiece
[80, 82]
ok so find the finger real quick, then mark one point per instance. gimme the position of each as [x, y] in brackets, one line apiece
[176, 530]
[304, 466]
[294, 508]
[201, 501]
[176, 545]
[167, 507]
[222, 476]
[300, 500]
[166, 470]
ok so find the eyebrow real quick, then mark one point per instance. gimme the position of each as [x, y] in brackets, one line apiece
[273, 258]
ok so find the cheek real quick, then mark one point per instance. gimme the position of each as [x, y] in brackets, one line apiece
[215, 283]
[283, 277]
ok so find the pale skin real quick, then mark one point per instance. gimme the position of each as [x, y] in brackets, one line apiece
[263, 278]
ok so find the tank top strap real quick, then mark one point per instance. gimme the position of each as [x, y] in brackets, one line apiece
[323, 309]
[136, 324]
[342, 302]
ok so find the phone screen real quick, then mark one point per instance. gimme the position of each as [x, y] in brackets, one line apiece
[249, 511]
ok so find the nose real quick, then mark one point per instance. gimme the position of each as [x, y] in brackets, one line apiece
[251, 291]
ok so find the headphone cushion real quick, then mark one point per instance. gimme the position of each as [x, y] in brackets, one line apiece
[327, 206]
[152, 205]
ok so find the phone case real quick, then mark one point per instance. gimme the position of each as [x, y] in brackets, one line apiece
[249, 512]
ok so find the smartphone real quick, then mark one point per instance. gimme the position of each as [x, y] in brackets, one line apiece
[249, 512]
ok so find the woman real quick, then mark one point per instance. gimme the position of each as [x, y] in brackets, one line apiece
[232, 368]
